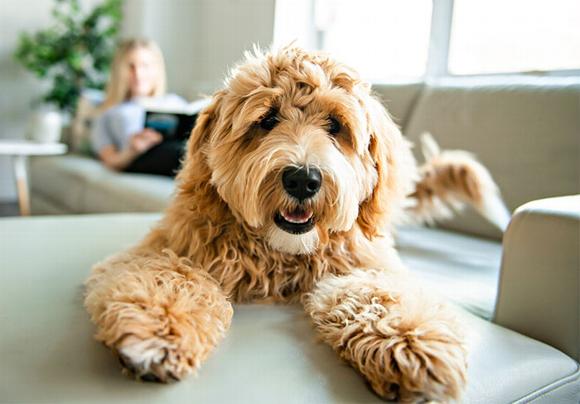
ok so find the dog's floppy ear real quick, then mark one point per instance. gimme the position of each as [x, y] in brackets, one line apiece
[195, 169]
[204, 125]
[395, 167]
[195, 198]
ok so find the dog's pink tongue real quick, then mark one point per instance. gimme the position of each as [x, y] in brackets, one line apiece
[297, 216]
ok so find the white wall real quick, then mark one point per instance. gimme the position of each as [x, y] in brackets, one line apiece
[173, 24]
[201, 40]
[228, 27]
[19, 88]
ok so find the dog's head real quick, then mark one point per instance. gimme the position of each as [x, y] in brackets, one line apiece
[298, 148]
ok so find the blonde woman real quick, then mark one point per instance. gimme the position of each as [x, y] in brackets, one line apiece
[119, 136]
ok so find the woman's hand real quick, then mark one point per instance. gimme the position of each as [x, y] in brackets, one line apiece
[142, 141]
[138, 144]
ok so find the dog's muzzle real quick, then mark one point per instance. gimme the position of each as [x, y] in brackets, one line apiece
[301, 183]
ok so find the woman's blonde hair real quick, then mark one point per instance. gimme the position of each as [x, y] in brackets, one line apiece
[117, 89]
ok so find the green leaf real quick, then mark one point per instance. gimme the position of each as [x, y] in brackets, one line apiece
[74, 47]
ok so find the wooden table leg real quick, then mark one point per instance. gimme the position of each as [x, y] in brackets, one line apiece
[22, 184]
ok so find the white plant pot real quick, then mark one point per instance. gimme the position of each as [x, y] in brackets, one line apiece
[46, 126]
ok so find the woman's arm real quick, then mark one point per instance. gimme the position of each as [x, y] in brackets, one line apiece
[115, 159]
[138, 144]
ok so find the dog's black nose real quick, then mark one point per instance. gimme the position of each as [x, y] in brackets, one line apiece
[302, 183]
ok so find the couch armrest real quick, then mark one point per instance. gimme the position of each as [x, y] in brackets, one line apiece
[539, 287]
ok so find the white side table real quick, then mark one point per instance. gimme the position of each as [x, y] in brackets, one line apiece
[19, 150]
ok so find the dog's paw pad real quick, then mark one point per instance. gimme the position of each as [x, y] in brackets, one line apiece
[150, 377]
[126, 363]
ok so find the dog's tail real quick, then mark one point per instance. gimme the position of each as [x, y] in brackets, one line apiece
[449, 180]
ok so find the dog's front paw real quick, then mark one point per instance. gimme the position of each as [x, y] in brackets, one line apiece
[153, 360]
[412, 357]
[414, 368]
[409, 347]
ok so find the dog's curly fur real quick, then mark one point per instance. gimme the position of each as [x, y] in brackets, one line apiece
[165, 304]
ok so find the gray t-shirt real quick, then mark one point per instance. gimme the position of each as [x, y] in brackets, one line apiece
[117, 124]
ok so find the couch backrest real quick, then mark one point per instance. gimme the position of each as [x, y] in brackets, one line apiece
[399, 99]
[525, 130]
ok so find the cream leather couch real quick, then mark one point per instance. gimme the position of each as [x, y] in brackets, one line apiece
[270, 353]
[526, 131]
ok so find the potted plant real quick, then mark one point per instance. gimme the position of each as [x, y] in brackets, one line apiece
[74, 53]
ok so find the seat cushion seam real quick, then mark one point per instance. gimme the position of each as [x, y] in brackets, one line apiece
[550, 388]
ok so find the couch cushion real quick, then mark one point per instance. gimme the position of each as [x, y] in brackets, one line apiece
[270, 353]
[82, 184]
[40, 205]
[461, 268]
[61, 179]
[526, 131]
[124, 192]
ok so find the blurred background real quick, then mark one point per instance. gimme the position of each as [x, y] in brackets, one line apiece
[388, 41]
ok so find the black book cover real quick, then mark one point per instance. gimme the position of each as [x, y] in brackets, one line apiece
[172, 126]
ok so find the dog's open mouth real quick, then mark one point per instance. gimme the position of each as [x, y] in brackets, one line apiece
[296, 221]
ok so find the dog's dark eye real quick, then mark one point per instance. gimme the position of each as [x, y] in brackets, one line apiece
[270, 120]
[333, 125]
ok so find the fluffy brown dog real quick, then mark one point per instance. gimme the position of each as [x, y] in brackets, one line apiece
[293, 177]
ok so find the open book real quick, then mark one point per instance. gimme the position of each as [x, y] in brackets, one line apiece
[173, 120]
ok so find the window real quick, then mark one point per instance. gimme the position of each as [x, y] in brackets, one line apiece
[394, 39]
[498, 36]
[380, 38]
